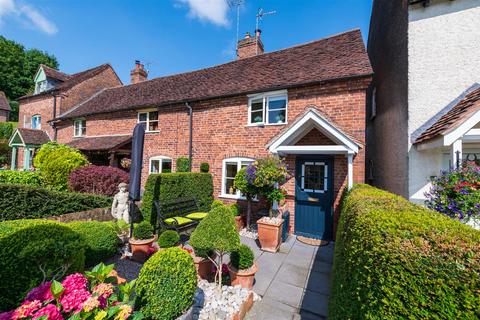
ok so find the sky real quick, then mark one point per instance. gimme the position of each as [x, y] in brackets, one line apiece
[168, 36]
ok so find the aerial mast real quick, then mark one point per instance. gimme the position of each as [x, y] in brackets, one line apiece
[232, 4]
[259, 17]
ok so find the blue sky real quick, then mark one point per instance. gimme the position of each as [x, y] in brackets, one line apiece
[169, 36]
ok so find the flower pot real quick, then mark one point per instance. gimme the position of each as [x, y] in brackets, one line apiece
[203, 266]
[244, 278]
[140, 248]
[239, 222]
[270, 233]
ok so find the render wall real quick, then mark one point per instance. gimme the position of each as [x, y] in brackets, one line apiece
[387, 136]
[444, 62]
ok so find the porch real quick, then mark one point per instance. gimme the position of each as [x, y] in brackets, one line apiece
[25, 143]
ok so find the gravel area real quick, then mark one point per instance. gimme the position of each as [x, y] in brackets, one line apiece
[125, 268]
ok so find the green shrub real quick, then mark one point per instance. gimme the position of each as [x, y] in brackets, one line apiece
[32, 178]
[397, 260]
[183, 164]
[143, 231]
[100, 238]
[5, 153]
[29, 246]
[204, 167]
[216, 203]
[168, 187]
[55, 163]
[168, 239]
[22, 201]
[6, 129]
[166, 285]
[242, 258]
[234, 208]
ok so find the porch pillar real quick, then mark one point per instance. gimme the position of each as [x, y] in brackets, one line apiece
[13, 164]
[26, 159]
[350, 171]
[456, 154]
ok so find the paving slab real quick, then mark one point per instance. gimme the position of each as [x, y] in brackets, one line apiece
[285, 293]
[319, 282]
[315, 303]
[292, 274]
[269, 309]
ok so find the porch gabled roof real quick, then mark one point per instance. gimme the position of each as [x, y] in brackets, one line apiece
[285, 141]
[28, 137]
[101, 143]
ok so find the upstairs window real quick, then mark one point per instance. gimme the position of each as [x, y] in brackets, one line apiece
[80, 128]
[41, 86]
[268, 108]
[150, 119]
[160, 164]
[36, 122]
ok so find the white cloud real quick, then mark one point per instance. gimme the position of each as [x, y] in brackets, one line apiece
[27, 15]
[214, 11]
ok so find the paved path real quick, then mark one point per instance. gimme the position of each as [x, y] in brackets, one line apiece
[294, 283]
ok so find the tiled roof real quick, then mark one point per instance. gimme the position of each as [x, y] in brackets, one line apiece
[453, 118]
[99, 143]
[33, 136]
[4, 105]
[72, 80]
[337, 57]
[55, 74]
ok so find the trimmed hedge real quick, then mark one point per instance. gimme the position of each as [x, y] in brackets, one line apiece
[183, 164]
[22, 201]
[100, 238]
[6, 129]
[168, 187]
[32, 178]
[397, 260]
[26, 247]
[102, 180]
[166, 285]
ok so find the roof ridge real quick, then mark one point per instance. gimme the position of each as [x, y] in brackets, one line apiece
[80, 104]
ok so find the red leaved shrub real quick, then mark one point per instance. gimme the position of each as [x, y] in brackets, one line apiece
[97, 179]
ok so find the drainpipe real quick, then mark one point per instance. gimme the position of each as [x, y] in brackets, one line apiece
[54, 126]
[190, 142]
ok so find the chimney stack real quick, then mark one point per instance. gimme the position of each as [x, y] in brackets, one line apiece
[138, 74]
[250, 46]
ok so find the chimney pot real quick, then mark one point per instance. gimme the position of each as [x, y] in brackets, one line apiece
[138, 74]
[247, 35]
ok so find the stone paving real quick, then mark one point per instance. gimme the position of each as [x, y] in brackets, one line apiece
[294, 283]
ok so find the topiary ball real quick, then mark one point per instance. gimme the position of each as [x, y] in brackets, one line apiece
[204, 167]
[143, 231]
[168, 239]
[242, 258]
[166, 285]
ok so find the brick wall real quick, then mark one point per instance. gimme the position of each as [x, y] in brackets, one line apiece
[4, 115]
[42, 105]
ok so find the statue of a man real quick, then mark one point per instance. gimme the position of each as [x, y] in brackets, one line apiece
[120, 209]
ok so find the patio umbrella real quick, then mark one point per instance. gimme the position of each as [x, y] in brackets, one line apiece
[136, 169]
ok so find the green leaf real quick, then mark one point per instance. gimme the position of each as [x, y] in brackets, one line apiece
[56, 289]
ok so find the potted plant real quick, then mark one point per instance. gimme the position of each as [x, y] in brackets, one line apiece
[168, 239]
[203, 262]
[242, 267]
[141, 243]
[238, 217]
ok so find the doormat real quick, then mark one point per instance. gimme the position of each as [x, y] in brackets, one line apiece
[313, 242]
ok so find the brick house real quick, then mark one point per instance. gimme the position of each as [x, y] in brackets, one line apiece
[4, 107]
[55, 93]
[305, 104]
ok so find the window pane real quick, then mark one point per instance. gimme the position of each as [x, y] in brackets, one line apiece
[166, 166]
[142, 117]
[314, 178]
[229, 189]
[257, 117]
[153, 126]
[277, 103]
[245, 164]
[257, 104]
[155, 166]
[256, 114]
[231, 169]
[276, 116]
[84, 130]
[153, 115]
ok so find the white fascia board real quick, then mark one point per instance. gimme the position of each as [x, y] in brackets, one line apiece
[313, 150]
[460, 131]
[13, 137]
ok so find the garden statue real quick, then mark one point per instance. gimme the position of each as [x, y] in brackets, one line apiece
[120, 203]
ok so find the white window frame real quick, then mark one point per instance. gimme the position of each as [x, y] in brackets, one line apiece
[39, 121]
[239, 161]
[325, 181]
[147, 122]
[161, 159]
[266, 98]
[41, 86]
[75, 122]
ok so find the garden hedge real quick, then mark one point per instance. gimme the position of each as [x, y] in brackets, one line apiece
[32, 178]
[168, 187]
[100, 238]
[397, 260]
[29, 246]
[23, 201]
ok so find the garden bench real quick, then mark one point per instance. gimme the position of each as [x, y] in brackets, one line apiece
[178, 215]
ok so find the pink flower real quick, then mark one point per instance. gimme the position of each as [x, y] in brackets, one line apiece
[42, 293]
[27, 309]
[91, 304]
[76, 281]
[8, 315]
[103, 289]
[51, 311]
[74, 300]
[125, 312]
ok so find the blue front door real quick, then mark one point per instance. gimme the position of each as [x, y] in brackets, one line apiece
[314, 197]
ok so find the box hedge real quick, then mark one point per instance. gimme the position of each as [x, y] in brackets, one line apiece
[29, 246]
[168, 187]
[32, 178]
[100, 238]
[397, 260]
[22, 201]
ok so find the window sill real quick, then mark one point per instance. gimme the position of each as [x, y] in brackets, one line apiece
[157, 131]
[266, 124]
[79, 136]
[233, 197]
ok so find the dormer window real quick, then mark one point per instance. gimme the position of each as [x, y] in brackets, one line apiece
[80, 128]
[36, 122]
[41, 86]
[268, 108]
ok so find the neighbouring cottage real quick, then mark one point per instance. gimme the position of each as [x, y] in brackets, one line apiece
[4, 107]
[424, 103]
[305, 104]
[55, 93]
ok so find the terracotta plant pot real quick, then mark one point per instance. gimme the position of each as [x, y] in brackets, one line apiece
[239, 222]
[204, 267]
[244, 278]
[269, 235]
[141, 248]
